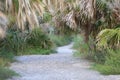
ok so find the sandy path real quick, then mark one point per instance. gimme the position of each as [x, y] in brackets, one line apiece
[60, 66]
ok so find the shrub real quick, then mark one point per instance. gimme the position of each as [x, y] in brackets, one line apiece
[38, 39]
[17, 42]
[78, 40]
[4, 62]
[82, 47]
[108, 53]
[14, 42]
[111, 64]
[60, 40]
[109, 38]
[6, 73]
[100, 56]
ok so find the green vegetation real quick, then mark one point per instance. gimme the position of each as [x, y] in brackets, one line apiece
[82, 48]
[22, 43]
[100, 40]
[60, 40]
[47, 17]
[39, 42]
[6, 73]
[111, 64]
[107, 60]
[38, 51]
[17, 43]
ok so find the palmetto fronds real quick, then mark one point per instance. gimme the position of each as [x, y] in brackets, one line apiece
[109, 38]
[115, 8]
[27, 12]
[87, 8]
[70, 20]
[73, 13]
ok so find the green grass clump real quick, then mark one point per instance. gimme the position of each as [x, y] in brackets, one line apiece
[6, 73]
[107, 69]
[111, 64]
[39, 51]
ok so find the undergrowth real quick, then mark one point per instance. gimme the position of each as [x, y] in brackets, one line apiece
[17, 43]
[22, 43]
[60, 40]
[39, 51]
[111, 64]
[107, 61]
[6, 73]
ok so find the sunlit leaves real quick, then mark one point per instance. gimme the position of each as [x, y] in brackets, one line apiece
[109, 38]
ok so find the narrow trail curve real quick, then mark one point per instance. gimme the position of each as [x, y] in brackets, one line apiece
[60, 66]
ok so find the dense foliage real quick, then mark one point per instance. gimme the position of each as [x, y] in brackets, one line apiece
[97, 21]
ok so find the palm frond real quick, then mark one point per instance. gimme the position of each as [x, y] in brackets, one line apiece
[109, 38]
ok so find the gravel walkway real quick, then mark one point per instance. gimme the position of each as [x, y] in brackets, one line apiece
[60, 66]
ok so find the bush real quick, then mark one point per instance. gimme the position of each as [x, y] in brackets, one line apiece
[13, 43]
[78, 41]
[60, 40]
[109, 38]
[111, 64]
[81, 47]
[4, 62]
[100, 56]
[38, 39]
[17, 43]
[7, 55]
[39, 43]
[6, 73]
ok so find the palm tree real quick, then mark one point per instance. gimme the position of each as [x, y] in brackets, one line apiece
[73, 13]
[25, 11]
[110, 38]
